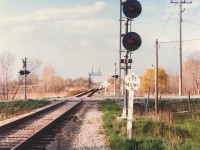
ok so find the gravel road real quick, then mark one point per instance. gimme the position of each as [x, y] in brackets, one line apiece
[83, 132]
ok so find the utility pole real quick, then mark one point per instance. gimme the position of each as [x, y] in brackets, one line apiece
[120, 50]
[180, 50]
[126, 71]
[156, 78]
[24, 72]
[24, 61]
[115, 80]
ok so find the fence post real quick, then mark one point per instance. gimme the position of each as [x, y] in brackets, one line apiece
[189, 101]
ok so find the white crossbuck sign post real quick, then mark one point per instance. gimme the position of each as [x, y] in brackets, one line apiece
[132, 83]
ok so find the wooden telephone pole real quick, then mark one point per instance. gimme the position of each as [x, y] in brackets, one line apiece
[181, 2]
[156, 78]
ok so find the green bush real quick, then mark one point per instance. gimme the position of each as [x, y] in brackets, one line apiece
[150, 143]
[183, 134]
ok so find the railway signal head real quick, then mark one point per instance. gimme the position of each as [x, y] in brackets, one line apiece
[132, 8]
[27, 72]
[115, 76]
[131, 41]
[21, 72]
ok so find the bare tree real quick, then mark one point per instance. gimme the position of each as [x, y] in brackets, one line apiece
[58, 84]
[80, 82]
[69, 82]
[173, 84]
[6, 62]
[33, 78]
[48, 75]
[192, 72]
[51, 82]
[33, 65]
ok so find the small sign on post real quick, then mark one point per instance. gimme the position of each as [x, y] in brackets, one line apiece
[132, 83]
[105, 85]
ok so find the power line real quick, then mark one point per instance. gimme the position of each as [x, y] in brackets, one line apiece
[193, 9]
[152, 52]
[166, 22]
[179, 41]
[191, 22]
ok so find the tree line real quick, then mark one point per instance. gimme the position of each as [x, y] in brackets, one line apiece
[168, 83]
[47, 82]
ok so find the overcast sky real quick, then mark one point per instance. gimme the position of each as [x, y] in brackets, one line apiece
[76, 35]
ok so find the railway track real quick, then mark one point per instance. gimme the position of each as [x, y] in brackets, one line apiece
[39, 129]
[16, 136]
[46, 134]
[89, 93]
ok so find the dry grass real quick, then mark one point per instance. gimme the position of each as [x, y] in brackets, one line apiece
[163, 116]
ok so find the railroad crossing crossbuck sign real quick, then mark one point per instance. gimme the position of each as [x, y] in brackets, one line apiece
[132, 82]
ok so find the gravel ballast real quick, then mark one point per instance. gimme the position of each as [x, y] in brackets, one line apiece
[83, 132]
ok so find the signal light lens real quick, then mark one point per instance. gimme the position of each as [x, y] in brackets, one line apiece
[132, 41]
[132, 8]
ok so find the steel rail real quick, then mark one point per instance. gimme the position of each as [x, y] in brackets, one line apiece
[17, 122]
[85, 93]
[28, 142]
[93, 92]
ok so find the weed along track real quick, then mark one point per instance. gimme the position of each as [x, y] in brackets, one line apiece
[20, 134]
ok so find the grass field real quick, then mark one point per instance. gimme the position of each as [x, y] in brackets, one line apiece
[14, 108]
[151, 133]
